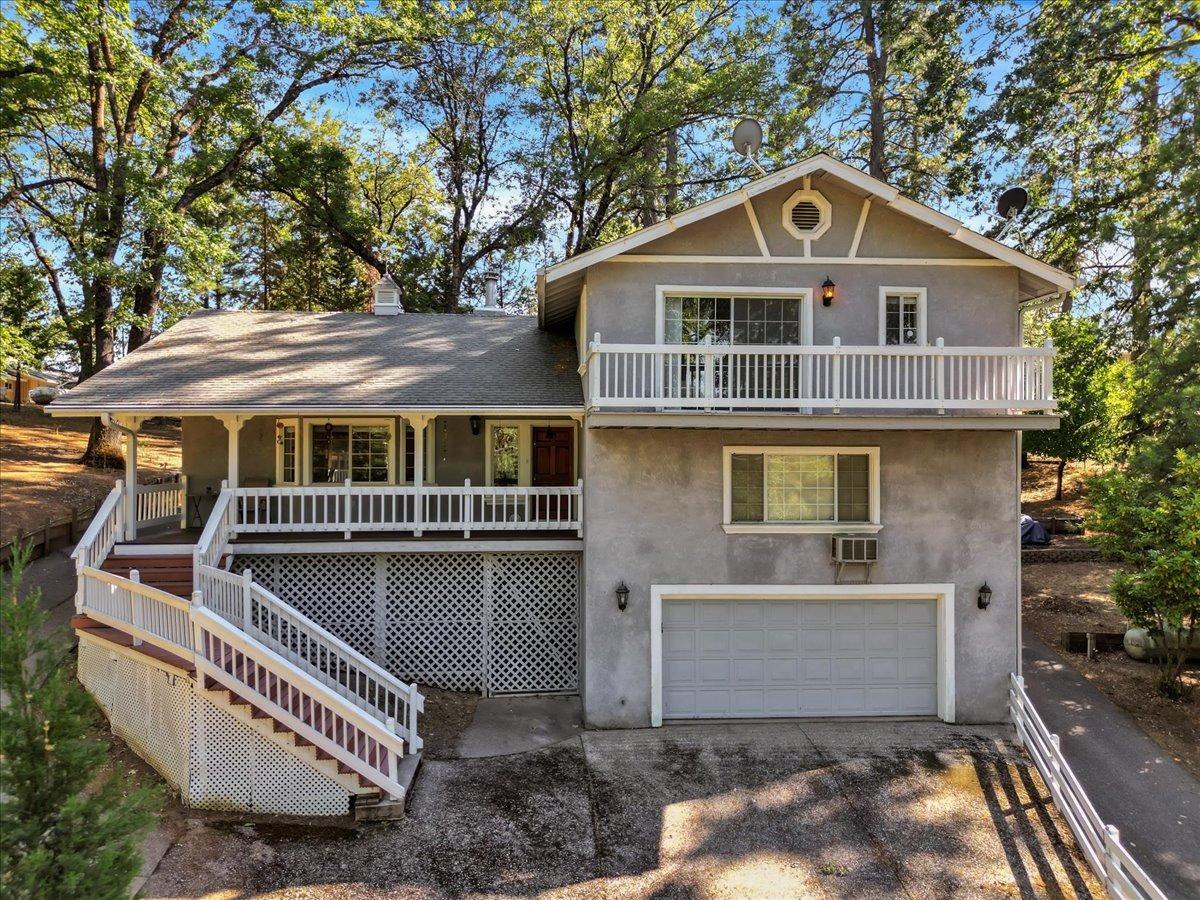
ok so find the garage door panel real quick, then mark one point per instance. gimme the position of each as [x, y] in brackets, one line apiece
[801, 658]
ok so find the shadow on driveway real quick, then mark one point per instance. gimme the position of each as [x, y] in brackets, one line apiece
[783, 809]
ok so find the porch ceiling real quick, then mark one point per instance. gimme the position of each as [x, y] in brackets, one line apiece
[329, 363]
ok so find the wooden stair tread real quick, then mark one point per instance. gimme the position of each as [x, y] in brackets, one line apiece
[121, 639]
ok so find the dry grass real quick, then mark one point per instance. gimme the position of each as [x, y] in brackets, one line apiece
[41, 478]
[1038, 482]
[1060, 597]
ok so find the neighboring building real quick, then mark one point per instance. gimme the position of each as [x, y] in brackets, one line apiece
[27, 380]
[755, 460]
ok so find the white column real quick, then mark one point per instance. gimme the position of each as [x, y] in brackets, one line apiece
[418, 424]
[131, 482]
[233, 426]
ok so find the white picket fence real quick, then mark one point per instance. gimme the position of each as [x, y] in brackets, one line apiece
[160, 503]
[1100, 843]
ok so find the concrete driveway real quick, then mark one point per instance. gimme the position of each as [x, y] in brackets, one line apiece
[917, 809]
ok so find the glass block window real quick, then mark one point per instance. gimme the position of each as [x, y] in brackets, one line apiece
[800, 486]
[901, 323]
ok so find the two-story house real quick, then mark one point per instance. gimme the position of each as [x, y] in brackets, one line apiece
[759, 459]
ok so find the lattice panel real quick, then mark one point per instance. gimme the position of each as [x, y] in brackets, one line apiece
[490, 622]
[338, 591]
[436, 619]
[150, 709]
[237, 769]
[534, 628]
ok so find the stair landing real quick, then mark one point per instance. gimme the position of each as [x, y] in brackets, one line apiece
[169, 572]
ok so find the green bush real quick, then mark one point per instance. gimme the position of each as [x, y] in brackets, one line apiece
[1153, 525]
[67, 827]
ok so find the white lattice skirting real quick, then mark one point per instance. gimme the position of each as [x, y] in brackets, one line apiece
[498, 623]
[212, 756]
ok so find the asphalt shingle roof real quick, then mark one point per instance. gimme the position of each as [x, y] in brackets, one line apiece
[217, 359]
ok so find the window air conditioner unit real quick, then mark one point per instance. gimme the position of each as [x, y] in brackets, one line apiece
[855, 549]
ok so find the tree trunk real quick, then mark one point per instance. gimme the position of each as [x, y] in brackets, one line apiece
[1058, 492]
[877, 64]
[1140, 312]
[671, 200]
[146, 295]
[103, 448]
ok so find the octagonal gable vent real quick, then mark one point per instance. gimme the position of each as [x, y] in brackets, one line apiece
[806, 214]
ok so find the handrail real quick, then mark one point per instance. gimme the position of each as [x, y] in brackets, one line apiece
[215, 538]
[808, 377]
[291, 696]
[348, 508]
[1101, 843]
[106, 526]
[156, 504]
[323, 655]
[145, 612]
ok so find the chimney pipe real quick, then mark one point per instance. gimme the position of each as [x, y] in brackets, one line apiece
[491, 305]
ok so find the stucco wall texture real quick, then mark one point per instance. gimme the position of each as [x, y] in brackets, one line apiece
[654, 509]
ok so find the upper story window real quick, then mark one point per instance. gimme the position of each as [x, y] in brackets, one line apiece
[806, 215]
[801, 489]
[902, 317]
[701, 319]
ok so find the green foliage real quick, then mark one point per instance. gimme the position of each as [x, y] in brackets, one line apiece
[29, 332]
[1089, 385]
[1153, 525]
[1164, 416]
[67, 828]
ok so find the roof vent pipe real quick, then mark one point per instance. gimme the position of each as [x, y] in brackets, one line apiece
[491, 306]
[386, 297]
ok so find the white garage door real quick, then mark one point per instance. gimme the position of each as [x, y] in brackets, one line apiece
[750, 658]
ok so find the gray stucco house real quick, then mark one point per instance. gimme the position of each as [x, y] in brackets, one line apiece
[759, 459]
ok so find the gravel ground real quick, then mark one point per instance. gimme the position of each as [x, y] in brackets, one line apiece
[824, 809]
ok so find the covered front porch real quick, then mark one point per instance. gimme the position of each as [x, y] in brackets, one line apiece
[407, 476]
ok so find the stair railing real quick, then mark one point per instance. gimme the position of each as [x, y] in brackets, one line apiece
[100, 537]
[140, 610]
[214, 540]
[313, 649]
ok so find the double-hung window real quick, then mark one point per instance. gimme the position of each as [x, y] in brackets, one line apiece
[822, 489]
[902, 317]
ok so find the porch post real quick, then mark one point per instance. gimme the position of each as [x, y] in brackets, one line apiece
[233, 426]
[418, 424]
[131, 483]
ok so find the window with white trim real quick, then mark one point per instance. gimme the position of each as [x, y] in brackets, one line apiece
[815, 488]
[287, 452]
[733, 321]
[359, 451]
[902, 317]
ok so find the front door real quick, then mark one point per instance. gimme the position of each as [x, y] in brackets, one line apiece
[553, 457]
[553, 466]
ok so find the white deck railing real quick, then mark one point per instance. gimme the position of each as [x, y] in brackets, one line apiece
[102, 534]
[313, 649]
[218, 531]
[1101, 844]
[144, 612]
[159, 503]
[349, 508]
[678, 376]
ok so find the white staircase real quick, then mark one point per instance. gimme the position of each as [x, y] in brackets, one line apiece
[258, 660]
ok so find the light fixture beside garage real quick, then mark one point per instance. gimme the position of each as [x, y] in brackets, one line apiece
[622, 593]
[985, 596]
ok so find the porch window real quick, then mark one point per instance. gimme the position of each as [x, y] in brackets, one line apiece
[360, 452]
[902, 317]
[286, 451]
[810, 487]
[506, 454]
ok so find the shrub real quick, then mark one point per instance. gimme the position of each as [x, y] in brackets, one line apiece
[1154, 525]
[67, 828]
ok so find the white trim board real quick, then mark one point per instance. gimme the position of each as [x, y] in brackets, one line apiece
[922, 296]
[356, 545]
[942, 593]
[821, 422]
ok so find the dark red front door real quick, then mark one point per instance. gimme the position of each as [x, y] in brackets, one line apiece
[553, 457]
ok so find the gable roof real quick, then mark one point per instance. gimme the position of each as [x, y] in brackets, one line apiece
[225, 361]
[559, 284]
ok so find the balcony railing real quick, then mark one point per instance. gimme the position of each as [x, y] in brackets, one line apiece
[359, 508]
[808, 378]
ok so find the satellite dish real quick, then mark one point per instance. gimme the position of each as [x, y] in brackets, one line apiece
[747, 138]
[1012, 202]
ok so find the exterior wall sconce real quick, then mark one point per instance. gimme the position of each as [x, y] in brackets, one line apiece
[985, 596]
[827, 289]
[622, 596]
[476, 423]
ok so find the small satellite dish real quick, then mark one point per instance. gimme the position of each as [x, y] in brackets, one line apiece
[1012, 202]
[747, 138]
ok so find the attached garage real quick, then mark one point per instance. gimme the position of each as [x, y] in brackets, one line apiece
[727, 652]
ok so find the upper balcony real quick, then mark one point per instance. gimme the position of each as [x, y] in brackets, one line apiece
[871, 380]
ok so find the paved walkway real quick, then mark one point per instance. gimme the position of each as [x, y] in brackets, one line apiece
[54, 575]
[1131, 780]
